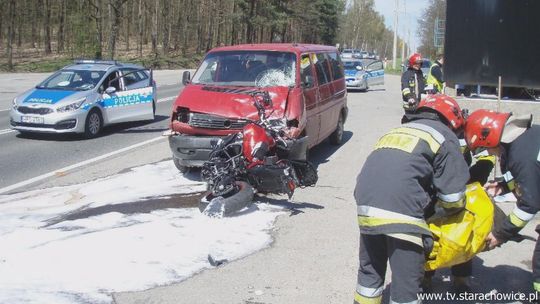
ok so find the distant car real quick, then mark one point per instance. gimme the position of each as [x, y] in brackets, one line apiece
[352, 54]
[361, 75]
[84, 97]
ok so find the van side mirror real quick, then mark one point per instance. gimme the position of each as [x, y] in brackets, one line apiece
[186, 77]
[308, 81]
[110, 90]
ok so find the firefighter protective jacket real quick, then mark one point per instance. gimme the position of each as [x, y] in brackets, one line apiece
[521, 162]
[409, 165]
[412, 84]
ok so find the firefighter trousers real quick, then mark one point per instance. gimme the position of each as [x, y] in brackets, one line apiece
[406, 262]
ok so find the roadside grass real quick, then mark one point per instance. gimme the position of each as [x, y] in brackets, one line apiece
[397, 71]
[53, 63]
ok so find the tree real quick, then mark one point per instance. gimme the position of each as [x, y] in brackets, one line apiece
[47, 26]
[115, 18]
[362, 27]
[11, 33]
[426, 30]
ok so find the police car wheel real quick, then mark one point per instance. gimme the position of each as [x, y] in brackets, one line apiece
[153, 109]
[336, 138]
[93, 124]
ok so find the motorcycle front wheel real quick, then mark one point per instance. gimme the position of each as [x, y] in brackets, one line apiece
[234, 201]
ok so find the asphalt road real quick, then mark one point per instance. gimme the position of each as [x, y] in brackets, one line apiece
[28, 156]
[314, 256]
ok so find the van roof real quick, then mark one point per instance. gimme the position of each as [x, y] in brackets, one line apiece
[283, 47]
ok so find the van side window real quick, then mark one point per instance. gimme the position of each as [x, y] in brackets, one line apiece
[323, 70]
[306, 69]
[337, 66]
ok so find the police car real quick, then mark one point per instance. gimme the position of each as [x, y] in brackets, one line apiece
[362, 74]
[84, 97]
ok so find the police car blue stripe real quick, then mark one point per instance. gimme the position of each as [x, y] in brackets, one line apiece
[47, 96]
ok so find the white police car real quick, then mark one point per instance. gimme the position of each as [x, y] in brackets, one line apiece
[84, 97]
[362, 74]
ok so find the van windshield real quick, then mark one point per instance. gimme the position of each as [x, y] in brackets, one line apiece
[247, 68]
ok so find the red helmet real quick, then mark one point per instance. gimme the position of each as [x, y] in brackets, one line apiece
[447, 107]
[484, 128]
[415, 58]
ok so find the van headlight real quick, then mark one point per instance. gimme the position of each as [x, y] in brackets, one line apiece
[14, 104]
[72, 106]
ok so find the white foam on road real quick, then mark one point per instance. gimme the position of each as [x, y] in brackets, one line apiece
[84, 260]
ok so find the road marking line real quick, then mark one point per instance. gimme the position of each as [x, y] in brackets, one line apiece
[166, 99]
[74, 166]
[3, 110]
[6, 131]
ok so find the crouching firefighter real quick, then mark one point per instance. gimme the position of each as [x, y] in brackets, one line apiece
[393, 190]
[517, 142]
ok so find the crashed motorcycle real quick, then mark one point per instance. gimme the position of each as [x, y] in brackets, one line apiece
[259, 159]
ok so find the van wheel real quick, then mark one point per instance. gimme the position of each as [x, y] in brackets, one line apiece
[183, 169]
[153, 109]
[93, 124]
[336, 138]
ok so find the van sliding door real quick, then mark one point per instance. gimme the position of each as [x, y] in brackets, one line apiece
[311, 97]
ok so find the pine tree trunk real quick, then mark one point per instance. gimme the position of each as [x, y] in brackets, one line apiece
[47, 27]
[116, 13]
[140, 28]
[11, 33]
[165, 25]
[61, 35]
[154, 30]
[33, 30]
[128, 27]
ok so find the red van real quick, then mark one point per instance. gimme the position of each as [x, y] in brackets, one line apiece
[306, 84]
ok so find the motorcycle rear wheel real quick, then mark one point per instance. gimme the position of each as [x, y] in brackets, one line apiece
[234, 201]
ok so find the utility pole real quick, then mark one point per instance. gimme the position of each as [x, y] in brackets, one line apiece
[404, 33]
[394, 57]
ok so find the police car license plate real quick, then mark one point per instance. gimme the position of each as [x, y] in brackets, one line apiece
[32, 119]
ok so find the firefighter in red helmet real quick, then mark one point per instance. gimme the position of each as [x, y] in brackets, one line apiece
[421, 160]
[517, 142]
[412, 83]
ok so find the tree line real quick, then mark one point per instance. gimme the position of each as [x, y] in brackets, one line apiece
[103, 28]
[364, 28]
[110, 29]
[435, 11]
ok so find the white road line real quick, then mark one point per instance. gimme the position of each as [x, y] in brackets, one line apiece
[166, 99]
[3, 110]
[74, 166]
[6, 131]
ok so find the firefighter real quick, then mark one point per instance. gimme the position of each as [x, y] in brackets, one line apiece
[435, 76]
[410, 165]
[517, 143]
[412, 84]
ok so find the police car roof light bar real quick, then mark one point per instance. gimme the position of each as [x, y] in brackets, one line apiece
[83, 61]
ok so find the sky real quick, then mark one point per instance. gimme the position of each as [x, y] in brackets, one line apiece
[408, 16]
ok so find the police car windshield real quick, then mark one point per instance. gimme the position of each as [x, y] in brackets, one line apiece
[72, 80]
[247, 68]
[349, 65]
